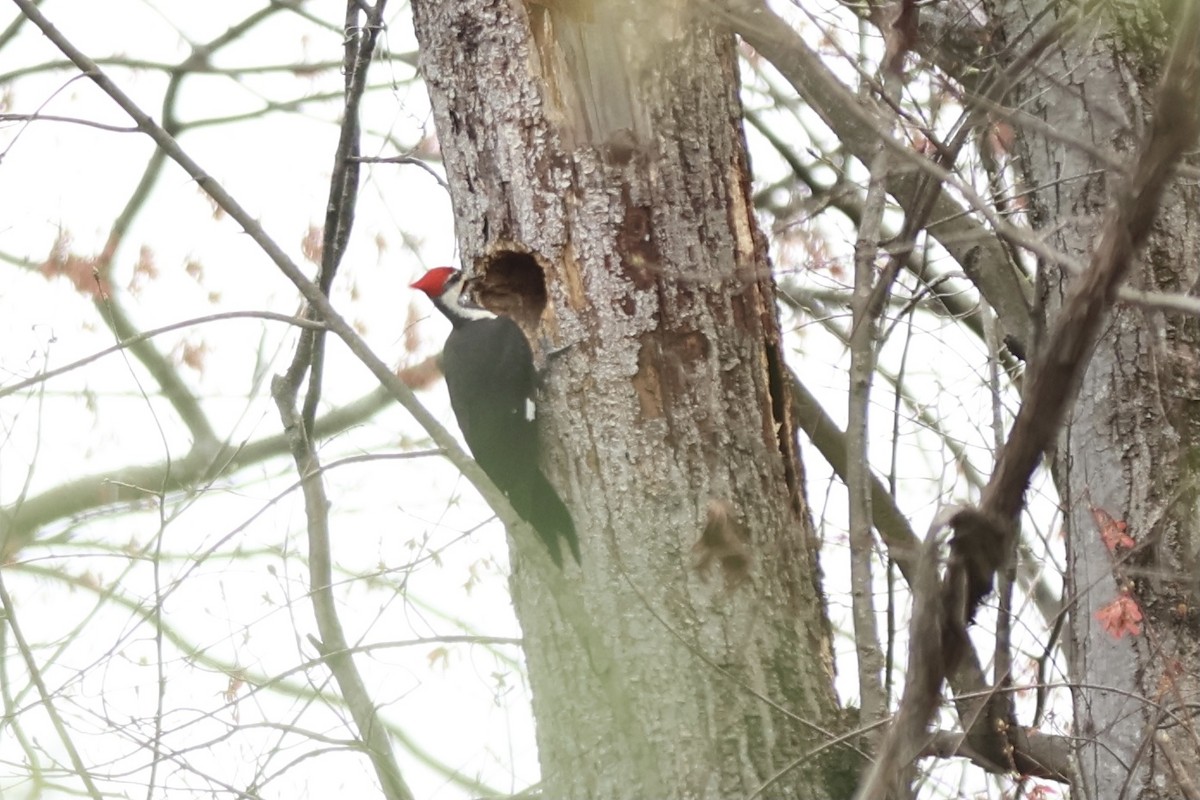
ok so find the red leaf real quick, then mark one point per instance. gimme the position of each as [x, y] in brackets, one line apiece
[1113, 532]
[1122, 616]
[83, 272]
[312, 245]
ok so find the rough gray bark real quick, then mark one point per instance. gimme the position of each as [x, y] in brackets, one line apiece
[601, 191]
[1130, 448]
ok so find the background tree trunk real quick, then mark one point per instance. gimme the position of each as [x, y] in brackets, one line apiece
[601, 191]
[1130, 448]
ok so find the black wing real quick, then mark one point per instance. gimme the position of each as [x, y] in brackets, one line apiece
[490, 377]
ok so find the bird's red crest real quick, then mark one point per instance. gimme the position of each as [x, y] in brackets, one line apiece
[433, 282]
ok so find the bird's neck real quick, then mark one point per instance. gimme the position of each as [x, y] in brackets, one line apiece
[458, 310]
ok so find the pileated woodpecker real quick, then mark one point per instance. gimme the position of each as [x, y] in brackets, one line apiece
[490, 375]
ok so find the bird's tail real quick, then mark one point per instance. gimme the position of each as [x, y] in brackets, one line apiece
[542, 508]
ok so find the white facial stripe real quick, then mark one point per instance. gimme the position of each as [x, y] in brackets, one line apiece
[454, 299]
[530, 410]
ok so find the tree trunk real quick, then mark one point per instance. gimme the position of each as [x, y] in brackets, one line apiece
[602, 195]
[1131, 447]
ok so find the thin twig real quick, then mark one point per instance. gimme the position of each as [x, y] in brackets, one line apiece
[35, 675]
[72, 120]
[46, 375]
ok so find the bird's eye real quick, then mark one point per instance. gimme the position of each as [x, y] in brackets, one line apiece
[467, 297]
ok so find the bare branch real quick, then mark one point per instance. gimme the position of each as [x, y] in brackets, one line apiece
[72, 120]
[343, 184]
[333, 643]
[862, 369]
